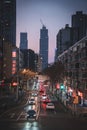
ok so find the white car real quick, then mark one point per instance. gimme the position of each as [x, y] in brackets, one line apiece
[50, 106]
[32, 101]
[44, 96]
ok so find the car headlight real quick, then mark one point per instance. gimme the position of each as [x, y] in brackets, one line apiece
[34, 114]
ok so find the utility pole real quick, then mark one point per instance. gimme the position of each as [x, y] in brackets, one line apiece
[17, 87]
[2, 48]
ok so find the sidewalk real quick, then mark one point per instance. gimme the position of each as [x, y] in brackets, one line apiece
[81, 110]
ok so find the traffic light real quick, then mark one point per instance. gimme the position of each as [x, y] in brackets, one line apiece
[62, 86]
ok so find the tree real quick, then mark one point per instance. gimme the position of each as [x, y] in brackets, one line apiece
[55, 71]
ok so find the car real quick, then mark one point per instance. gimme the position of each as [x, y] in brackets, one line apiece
[32, 101]
[44, 96]
[31, 114]
[85, 102]
[47, 100]
[50, 106]
[41, 90]
[34, 94]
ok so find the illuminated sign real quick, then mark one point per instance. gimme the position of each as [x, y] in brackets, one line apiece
[14, 54]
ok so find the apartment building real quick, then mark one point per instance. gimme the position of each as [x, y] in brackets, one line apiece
[75, 62]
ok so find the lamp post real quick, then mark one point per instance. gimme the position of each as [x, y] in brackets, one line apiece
[2, 45]
[15, 84]
[17, 87]
[2, 52]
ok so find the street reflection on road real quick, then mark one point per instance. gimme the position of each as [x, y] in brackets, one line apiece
[33, 125]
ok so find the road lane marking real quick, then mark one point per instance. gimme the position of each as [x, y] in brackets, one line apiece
[19, 116]
[12, 115]
[54, 112]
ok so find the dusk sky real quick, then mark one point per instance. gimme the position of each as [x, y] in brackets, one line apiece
[54, 15]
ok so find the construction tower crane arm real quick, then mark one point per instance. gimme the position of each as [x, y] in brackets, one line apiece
[42, 23]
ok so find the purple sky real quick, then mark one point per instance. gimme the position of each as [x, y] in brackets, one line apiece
[54, 14]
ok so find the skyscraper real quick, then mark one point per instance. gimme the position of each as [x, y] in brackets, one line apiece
[8, 20]
[63, 40]
[23, 40]
[79, 25]
[7, 34]
[44, 46]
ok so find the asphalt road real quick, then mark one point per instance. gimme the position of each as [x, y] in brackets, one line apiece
[59, 119]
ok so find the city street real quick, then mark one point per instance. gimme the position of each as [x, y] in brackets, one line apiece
[43, 65]
[47, 120]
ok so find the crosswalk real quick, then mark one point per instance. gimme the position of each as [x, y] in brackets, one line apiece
[23, 116]
[16, 117]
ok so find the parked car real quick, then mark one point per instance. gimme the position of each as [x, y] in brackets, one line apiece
[31, 114]
[50, 106]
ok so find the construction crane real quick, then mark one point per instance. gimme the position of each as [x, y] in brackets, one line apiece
[42, 23]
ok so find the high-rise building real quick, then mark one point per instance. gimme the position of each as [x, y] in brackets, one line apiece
[28, 59]
[44, 46]
[23, 40]
[8, 21]
[79, 25]
[63, 40]
[68, 36]
[7, 34]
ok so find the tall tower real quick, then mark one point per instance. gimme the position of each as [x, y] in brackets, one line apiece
[23, 40]
[44, 46]
[24, 49]
[8, 20]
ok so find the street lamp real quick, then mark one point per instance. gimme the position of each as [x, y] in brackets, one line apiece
[2, 52]
[17, 87]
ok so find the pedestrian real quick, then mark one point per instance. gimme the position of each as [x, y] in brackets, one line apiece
[75, 103]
